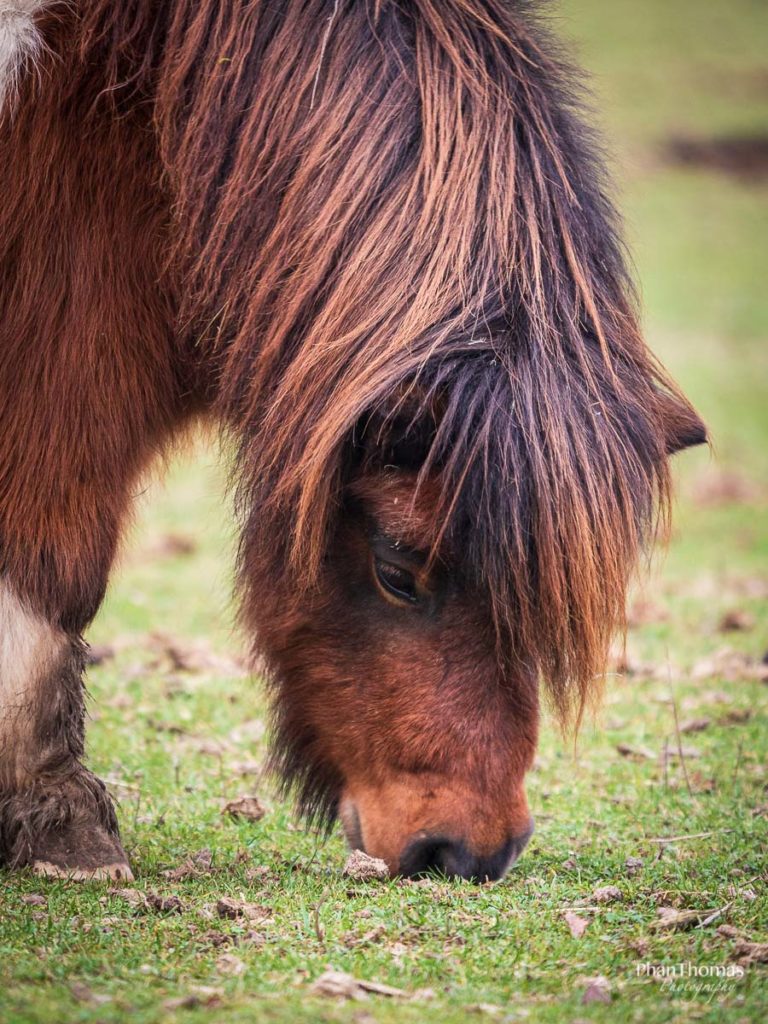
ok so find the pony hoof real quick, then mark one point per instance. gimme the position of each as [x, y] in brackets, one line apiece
[93, 856]
[119, 873]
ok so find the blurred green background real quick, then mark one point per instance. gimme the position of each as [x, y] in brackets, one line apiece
[696, 70]
[665, 74]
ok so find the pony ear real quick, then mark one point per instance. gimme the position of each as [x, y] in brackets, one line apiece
[682, 426]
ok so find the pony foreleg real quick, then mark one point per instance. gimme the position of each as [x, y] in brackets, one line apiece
[55, 815]
[94, 382]
[59, 527]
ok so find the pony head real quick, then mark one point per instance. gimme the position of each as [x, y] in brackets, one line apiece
[454, 442]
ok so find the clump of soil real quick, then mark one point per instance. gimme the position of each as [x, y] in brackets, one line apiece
[363, 868]
[248, 807]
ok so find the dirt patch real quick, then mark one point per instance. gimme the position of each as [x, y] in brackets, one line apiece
[741, 156]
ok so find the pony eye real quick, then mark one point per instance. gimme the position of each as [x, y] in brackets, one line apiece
[396, 582]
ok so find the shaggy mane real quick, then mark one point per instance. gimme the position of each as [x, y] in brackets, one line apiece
[380, 198]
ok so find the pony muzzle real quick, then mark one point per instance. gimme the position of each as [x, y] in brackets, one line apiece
[427, 829]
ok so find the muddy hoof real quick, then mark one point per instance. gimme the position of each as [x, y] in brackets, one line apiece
[71, 855]
[119, 873]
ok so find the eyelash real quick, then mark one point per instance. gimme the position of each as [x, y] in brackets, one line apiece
[395, 581]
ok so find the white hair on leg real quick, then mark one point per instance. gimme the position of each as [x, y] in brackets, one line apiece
[72, 833]
[20, 42]
[30, 649]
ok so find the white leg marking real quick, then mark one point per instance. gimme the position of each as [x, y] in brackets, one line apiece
[30, 649]
[20, 42]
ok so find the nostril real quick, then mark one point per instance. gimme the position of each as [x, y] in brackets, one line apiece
[451, 857]
[431, 854]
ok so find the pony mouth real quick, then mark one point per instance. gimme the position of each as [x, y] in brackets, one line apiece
[445, 855]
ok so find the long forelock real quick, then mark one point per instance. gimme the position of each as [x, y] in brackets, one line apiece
[550, 491]
[479, 266]
[409, 200]
[480, 261]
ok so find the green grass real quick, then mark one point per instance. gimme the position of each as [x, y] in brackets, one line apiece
[171, 737]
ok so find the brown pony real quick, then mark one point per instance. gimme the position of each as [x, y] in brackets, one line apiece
[372, 240]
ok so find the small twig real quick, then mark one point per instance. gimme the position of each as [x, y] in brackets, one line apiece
[680, 748]
[693, 835]
[319, 930]
[666, 762]
[673, 702]
[120, 784]
[727, 906]
[737, 765]
[715, 914]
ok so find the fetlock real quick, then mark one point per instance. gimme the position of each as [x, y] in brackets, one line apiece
[63, 826]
